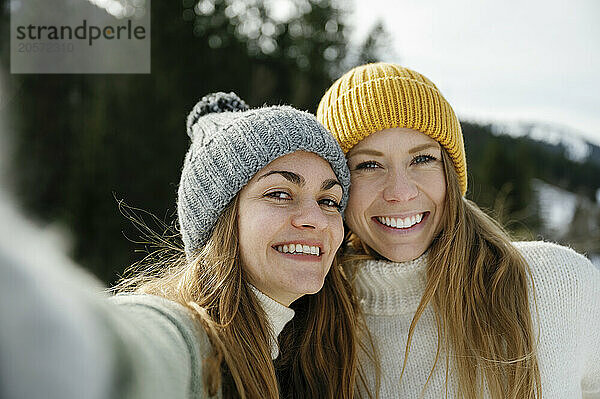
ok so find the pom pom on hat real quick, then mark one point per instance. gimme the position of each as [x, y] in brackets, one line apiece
[214, 103]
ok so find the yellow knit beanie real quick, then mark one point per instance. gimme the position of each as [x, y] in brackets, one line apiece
[373, 97]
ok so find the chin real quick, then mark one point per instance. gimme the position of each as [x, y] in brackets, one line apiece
[309, 288]
[403, 255]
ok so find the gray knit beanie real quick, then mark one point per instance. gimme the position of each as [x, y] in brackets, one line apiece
[230, 144]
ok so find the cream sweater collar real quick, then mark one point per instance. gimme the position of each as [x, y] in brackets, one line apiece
[391, 288]
[277, 316]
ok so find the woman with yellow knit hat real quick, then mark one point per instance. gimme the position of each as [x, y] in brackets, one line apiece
[455, 308]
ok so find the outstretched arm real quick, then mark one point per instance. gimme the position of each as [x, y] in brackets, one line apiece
[61, 338]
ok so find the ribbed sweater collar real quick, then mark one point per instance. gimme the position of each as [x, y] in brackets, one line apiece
[391, 288]
[277, 316]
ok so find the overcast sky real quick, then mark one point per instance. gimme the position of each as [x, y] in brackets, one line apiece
[529, 60]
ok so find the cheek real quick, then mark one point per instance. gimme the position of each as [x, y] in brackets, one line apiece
[352, 212]
[432, 183]
[337, 232]
[361, 195]
[438, 188]
[436, 191]
[246, 235]
[256, 226]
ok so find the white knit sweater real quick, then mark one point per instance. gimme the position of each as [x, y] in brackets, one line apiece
[568, 302]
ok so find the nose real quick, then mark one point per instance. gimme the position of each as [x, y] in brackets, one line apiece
[309, 215]
[398, 187]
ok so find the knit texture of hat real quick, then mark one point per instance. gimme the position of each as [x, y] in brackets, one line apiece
[379, 96]
[230, 144]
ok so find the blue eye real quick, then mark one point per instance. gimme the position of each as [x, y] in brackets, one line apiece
[330, 203]
[422, 159]
[279, 195]
[367, 165]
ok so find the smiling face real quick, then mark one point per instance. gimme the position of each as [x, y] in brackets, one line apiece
[290, 226]
[397, 193]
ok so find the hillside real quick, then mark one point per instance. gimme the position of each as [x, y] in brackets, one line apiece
[539, 186]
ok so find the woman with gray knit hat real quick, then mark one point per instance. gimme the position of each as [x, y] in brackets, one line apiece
[260, 206]
[454, 307]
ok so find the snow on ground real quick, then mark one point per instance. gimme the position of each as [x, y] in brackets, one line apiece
[557, 206]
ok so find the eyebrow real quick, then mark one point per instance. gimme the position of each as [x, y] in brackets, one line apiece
[299, 180]
[418, 148]
[329, 183]
[290, 176]
[423, 147]
[366, 151]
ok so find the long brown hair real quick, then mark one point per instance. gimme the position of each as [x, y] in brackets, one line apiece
[477, 283]
[318, 348]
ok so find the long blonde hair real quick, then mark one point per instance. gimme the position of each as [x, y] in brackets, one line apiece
[477, 283]
[318, 348]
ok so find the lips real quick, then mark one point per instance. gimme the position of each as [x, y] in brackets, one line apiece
[402, 222]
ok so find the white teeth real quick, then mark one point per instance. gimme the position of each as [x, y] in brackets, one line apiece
[401, 223]
[299, 249]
